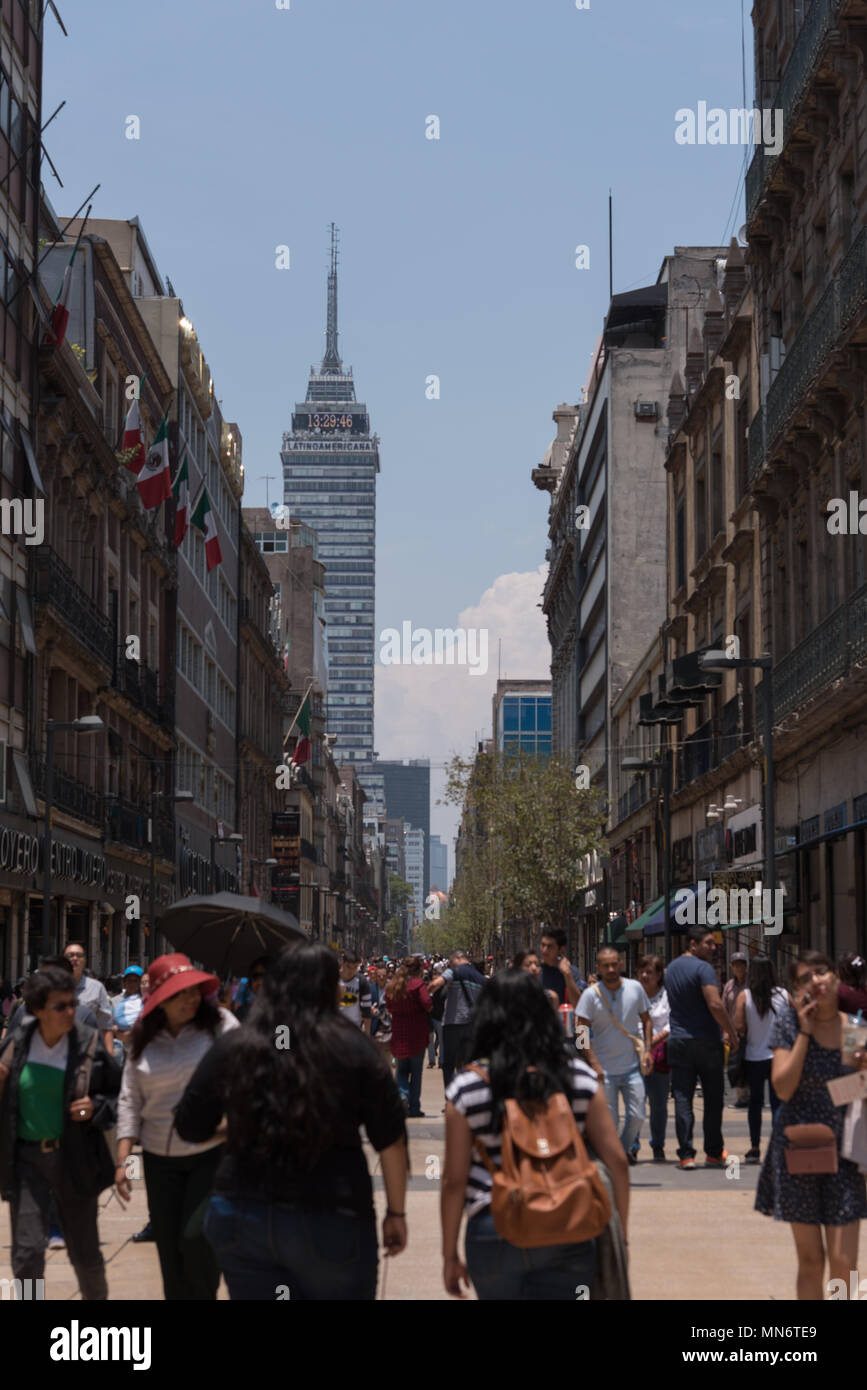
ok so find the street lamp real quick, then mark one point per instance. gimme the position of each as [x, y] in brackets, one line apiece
[647, 765]
[255, 864]
[87, 724]
[721, 661]
[155, 795]
[235, 839]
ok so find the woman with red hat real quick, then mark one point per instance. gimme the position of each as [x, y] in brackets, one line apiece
[178, 1024]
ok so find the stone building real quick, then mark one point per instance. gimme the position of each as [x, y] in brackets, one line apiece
[806, 216]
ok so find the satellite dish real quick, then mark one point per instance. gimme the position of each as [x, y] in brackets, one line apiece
[742, 235]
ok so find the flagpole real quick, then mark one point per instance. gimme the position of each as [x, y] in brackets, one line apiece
[297, 712]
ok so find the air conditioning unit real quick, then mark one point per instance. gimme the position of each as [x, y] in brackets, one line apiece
[646, 410]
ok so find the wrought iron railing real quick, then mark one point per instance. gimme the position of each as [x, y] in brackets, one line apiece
[57, 589]
[757, 442]
[67, 793]
[846, 294]
[698, 753]
[128, 825]
[141, 684]
[794, 83]
[731, 735]
[825, 655]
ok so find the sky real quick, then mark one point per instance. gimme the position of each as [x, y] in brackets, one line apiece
[259, 126]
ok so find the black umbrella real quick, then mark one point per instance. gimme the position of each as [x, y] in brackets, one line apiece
[226, 932]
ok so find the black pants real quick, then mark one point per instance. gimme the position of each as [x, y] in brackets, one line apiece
[691, 1060]
[178, 1193]
[40, 1177]
[456, 1040]
[757, 1074]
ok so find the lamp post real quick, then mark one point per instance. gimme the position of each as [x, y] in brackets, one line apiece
[646, 765]
[720, 661]
[255, 864]
[235, 839]
[155, 796]
[88, 724]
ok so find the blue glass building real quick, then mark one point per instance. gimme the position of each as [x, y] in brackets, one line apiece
[330, 462]
[522, 717]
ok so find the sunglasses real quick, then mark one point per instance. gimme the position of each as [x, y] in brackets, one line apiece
[75, 955]
[64, 1008]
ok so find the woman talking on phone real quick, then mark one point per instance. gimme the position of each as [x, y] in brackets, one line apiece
[804, 1180]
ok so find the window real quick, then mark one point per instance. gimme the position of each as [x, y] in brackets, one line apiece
[700, 513]
[680, 545]
[716, 496]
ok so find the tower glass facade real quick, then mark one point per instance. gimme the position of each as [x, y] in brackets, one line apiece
[330, 462]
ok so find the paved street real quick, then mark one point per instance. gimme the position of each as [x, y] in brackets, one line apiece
[694, 1236]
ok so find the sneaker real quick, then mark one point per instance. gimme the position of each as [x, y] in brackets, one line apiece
[716, 1162]
[56, 1241]
[632, 1156]
[659, 1155]
[686, 1163]
[144, 1234]
[416, 1115]
[741, 1105]
[753, 1156]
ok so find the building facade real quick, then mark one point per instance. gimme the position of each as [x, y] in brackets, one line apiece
[406, 789]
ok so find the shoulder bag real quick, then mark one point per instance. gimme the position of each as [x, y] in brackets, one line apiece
[810, 1149]
[636, 1042]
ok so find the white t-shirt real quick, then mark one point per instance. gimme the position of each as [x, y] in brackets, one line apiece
[759, 1029]
[614, 1051]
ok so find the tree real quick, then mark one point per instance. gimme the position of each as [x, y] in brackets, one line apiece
[525, 829]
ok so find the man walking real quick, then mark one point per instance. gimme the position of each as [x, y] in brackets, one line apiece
[464, 984]
[354, 991]
[617, 1014]
[90, 992]
[732, 989]
[558, 973]
[695, 1051]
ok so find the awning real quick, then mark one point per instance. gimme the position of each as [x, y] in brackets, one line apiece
[636, 928]
[614, 933]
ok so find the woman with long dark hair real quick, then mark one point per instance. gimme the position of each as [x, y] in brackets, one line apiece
[519, 1043]
[409, 1004]
[807, 1045]
[292, 1212]
[757, 1009]
[176, 1027]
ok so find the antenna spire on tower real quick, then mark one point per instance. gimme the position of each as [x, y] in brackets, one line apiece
[331, 363]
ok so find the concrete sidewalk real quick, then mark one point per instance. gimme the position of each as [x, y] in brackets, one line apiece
[694, 1237]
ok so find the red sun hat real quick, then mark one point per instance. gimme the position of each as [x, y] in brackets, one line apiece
[169, 975]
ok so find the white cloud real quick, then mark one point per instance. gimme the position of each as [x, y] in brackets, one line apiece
[435, 711]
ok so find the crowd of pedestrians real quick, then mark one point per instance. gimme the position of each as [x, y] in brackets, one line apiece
[248, 1105]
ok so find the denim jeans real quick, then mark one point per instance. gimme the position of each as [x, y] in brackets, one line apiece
[269, 1252]
[409, 1074]
[435, 1040]
[629, 1085]
[693, 1059]
[39, 1180]
[501, 1271]
[657, 1087]
[757, 1074]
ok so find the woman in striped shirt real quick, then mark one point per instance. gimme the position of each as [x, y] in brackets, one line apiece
[515, 1028]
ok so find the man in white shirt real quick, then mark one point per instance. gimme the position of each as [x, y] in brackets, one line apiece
[617, 1012]
[90, 992]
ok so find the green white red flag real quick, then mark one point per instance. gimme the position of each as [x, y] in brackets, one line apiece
[181, 494]
[203, 517]
[60, 313]
[302, 746]
[132, 449]
[155, 480]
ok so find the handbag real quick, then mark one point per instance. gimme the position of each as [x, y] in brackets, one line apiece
[810, 1149]
[636, 1042]
[660, 1057]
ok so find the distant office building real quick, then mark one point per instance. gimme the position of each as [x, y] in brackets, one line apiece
[415, 854]
[330, 462]
[407, 794]
[393, 830]
[439, 864]
[522, 717]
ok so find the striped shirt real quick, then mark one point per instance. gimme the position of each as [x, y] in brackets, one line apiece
[471, 1097]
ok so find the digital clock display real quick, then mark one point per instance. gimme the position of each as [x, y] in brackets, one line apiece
[328, 421]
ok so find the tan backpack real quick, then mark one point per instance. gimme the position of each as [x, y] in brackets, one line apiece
[546, 1190]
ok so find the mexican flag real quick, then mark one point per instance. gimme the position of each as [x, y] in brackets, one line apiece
[154, 480]
[132, 450]
[60, 313]
[302, 746]
[181, 494]
[203, 518]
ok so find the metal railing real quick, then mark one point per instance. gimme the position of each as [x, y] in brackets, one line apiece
[794, 83]
[845, 295]
[127, 824]
[825, 655]
[141, 684]
[67, 793]
[57, 589]
[756, 442]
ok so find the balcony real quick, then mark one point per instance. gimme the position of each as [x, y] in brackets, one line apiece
[67, 793]
[141, 685]
[56, 589]
[793, 87]
[731, 735]
[127, 824]
[819, 335]
[698, 754]
[829, 652]
[756, 443]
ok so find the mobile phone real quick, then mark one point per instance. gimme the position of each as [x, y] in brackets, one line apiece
[806, 997]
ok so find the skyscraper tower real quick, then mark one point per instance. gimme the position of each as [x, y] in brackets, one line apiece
[330, 462]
